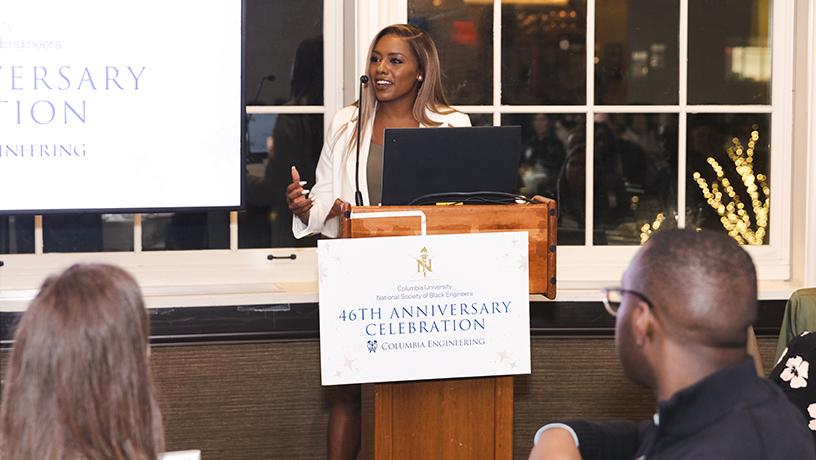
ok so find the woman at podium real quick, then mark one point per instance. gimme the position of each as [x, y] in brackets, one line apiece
[402, 88]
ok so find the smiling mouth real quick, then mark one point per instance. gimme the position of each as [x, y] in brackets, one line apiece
[383, 84]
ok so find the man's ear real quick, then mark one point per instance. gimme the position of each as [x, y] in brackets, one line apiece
[643, 324]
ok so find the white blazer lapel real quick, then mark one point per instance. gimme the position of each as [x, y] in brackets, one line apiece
[365, 141]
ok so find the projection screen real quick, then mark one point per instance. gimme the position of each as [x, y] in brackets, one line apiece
[113, 106]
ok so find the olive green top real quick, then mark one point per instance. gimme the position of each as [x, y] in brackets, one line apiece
[374, 173]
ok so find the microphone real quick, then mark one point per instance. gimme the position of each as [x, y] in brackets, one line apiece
[358, 195]
[264, 79]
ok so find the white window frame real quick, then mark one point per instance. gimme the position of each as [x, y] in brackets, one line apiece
[804, 219]
[589, 266]
[246, 276]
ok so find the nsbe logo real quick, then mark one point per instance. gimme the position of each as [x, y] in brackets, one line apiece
[424, 263]
[372, 346]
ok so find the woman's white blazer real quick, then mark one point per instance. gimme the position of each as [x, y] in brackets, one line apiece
[335, 169]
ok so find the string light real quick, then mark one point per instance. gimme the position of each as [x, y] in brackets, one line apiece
[733, 215]
[732, 211]
[647, 229]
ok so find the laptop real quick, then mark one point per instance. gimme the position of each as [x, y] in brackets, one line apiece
[449, 161]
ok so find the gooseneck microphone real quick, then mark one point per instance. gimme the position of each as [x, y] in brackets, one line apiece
[358, 195]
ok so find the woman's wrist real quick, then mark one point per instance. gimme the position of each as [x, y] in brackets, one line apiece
[304, 217]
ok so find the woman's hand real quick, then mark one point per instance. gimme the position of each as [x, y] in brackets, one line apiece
[298, 198]
[336, 208]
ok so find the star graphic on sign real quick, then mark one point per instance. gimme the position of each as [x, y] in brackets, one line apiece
[522, 263]
[331, 263]
[503, 356]
[324, 273]
[349, 362]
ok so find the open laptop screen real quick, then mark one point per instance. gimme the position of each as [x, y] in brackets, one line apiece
[423, 161]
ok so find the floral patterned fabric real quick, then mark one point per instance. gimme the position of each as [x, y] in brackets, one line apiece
[792, 375]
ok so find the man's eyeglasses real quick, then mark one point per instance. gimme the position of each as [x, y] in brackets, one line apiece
[613, 296]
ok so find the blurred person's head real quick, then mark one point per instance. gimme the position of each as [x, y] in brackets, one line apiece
[575, 173]
[686, 294]
[576, 137]
[307, 72]
[604, 141]
[541, 124]
[571, 187]
[78, 383]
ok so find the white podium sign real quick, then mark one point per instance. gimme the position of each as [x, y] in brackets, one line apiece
[424, 307]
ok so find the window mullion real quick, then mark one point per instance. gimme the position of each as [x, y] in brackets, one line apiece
[137, 233]
[497, 55]
[683, 115]
[590, 124]
[783, 48]
[38, 235]
[233, 230]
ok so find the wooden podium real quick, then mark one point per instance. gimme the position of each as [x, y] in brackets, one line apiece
[468, 418]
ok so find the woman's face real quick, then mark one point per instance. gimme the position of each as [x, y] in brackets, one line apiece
[393, 69]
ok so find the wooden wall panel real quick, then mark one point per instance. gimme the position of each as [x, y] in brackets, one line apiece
[767, 351]
[264, 400]
[573, 378]
[241, 401]
[247, 401]
[581, 378]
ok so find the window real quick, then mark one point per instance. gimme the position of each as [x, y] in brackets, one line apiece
[622, 100]
[636, 115]
[290, 46]
[283, 82]
[285, 49]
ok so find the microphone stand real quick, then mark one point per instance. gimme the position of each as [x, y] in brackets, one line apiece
[264, 79]
[358, 195]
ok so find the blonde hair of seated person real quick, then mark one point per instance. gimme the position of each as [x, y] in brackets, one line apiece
[78, 383]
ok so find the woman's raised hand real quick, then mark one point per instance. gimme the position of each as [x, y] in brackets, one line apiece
[298, 198]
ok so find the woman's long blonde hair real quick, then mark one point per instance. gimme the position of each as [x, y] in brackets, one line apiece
[78, 383]
[430, 95]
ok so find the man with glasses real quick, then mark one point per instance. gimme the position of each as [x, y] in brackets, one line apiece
[681, 320]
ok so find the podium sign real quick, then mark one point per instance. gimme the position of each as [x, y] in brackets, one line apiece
[424, 307]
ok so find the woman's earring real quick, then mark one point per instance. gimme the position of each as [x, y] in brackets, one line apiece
[419, 78]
